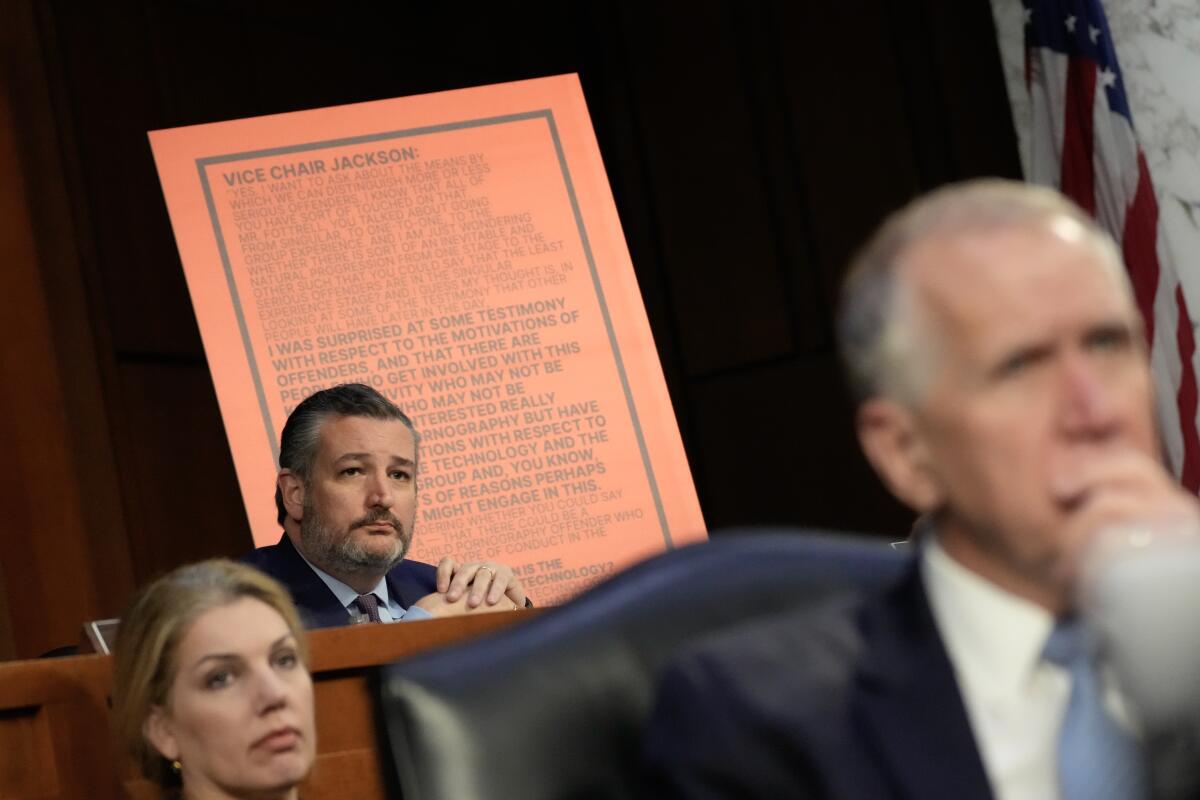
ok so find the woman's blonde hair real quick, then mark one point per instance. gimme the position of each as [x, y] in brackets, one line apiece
[144, 660]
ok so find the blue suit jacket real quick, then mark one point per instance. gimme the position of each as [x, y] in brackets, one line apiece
[853, 699]
[319, 607]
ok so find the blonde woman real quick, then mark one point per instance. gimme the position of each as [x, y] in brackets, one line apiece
[211, 689]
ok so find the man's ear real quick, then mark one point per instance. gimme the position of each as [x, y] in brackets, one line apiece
[896, 448]
[291, 487]
[160, 733]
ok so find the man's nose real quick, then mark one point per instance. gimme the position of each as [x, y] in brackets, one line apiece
[1090, 407]
[379, 493]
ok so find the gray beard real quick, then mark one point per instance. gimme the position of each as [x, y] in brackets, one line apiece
[336, 551]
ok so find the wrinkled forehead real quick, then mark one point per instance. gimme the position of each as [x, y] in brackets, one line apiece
[968, 272]
[342, 434]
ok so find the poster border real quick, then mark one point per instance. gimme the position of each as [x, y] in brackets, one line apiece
[546, 114]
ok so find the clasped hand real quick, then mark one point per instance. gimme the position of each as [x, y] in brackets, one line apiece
[473, 587]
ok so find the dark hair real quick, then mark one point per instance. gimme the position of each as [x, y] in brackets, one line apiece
[302, 431]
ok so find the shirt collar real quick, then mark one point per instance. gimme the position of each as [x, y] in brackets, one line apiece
[346, 594]
[991, 635]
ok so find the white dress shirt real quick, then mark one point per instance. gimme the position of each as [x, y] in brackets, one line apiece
[390, 609]
[1014, 700]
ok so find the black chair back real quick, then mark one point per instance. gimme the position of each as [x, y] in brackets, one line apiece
[554, 708]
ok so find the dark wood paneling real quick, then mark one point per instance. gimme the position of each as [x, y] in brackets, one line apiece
[184, 501]
[845, 95]
[109, 96]
[777, 439]
[60, 223]
[713, 213]
[8, 647]
[980, 138]
[55, 573]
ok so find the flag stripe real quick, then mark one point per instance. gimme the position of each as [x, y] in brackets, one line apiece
[1139, 240]
[1119, 174]
[1187, 397]
[1078, 179]
[1083, 142]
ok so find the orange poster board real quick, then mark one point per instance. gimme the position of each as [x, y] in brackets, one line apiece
[460, 252]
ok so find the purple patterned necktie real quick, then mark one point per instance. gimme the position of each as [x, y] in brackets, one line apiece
[369, 605]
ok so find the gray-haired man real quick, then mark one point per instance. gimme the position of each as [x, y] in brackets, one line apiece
[1004, 393]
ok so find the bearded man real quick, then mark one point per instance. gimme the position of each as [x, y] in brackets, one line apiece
[347, 500]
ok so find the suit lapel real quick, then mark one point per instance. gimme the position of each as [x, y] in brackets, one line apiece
[1174, 761]
[317, 604]
[907, 700]
[404, 585]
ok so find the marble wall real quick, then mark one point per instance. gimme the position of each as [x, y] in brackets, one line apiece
[1158, 46]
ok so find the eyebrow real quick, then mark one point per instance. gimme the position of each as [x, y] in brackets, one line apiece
[1113, 326]
[235, 656]
[366, 456]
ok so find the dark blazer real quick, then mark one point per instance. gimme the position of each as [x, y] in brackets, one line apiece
[408, 581]
[855, 698]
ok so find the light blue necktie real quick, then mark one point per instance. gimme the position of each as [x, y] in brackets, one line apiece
[1097, 758]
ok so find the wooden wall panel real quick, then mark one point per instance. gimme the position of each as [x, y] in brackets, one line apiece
[110, 93]
[980, 138]
[59, 221]
[852, 135]
[787, 426]
[8, 646]
[189, 507]
[704, 159]
[50, 576]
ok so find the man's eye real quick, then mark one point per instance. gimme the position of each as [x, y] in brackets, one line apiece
[1016, 364]
[352, 471]
[401, 475]
[219, 679]
[1021, 361]
[1110, 340]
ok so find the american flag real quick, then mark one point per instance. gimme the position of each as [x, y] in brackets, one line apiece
[1083, 143]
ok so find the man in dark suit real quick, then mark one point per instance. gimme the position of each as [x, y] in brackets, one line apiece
[347, 497]
[994, 344]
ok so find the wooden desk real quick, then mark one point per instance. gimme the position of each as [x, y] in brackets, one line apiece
[56, 740]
